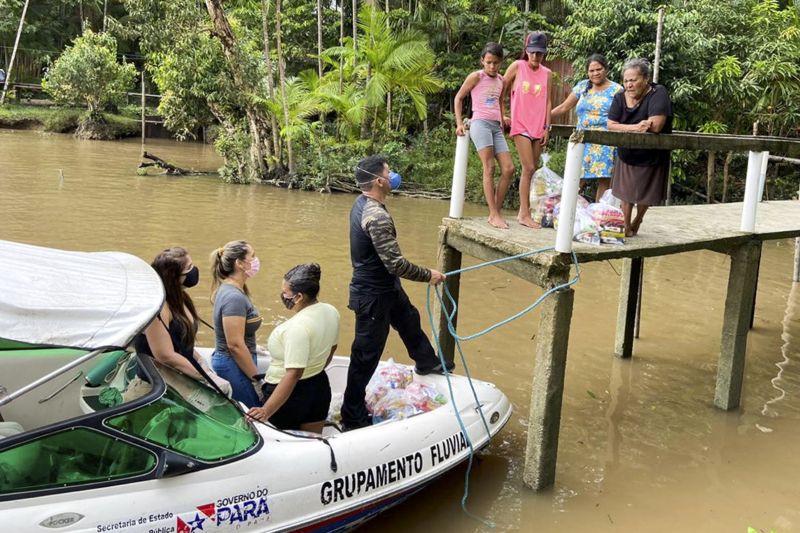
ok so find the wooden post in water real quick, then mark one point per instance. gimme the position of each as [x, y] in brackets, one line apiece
[796, 273]
[735, 325]
[548, 389]
[629, 287]
[449, 259]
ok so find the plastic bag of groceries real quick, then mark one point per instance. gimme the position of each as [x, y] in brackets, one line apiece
[608, 198]
[398, 404]
[388, 376]
[392, 394]
[543, 209]
[584, 229]
[610, 222]
[394, 405]
[545, 182]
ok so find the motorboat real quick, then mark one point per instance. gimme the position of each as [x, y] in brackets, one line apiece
[96, 438]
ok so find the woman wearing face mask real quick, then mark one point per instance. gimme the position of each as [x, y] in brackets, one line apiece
[298, 392]
[170, 337]
[236, 320]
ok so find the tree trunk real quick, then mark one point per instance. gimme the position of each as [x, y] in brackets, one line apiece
[355, 24]
[710, 175]
[256, 121]
[14, 52]
[282, 79]
[276, 143]
[319, 38]
[341, 43]
[726, 176]
[527, 10]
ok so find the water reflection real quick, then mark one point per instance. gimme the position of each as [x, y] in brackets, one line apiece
[791, 322]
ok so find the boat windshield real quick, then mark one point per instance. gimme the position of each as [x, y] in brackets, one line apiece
[191, 419]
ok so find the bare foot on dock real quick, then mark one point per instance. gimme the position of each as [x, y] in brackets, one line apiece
[528, 221]
[498, 222]
[635, 227]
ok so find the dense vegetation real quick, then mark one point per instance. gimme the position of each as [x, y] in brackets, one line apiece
[299, 90]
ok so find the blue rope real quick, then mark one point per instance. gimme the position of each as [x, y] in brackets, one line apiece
[459, 338]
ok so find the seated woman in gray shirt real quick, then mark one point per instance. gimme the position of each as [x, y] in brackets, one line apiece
[236, 320]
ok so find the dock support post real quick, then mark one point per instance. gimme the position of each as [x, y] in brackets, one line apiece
[449, 259]
[548, 388]
[735, 325]
[629, 287]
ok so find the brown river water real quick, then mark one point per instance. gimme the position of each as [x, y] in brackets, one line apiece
[641, 448]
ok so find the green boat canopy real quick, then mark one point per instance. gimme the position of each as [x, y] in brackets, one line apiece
[84, 300]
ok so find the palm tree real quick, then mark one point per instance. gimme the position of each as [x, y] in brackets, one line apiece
[270, 88]
[390, 62]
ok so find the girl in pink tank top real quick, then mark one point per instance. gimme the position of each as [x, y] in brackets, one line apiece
[485, 88]
[527, 81]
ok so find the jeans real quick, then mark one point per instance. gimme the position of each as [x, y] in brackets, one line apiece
[374, 314]
[243, 391]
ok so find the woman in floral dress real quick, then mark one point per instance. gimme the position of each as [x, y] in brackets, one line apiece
[593, 98]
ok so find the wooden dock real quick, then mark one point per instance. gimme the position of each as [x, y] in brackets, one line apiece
[666, 230]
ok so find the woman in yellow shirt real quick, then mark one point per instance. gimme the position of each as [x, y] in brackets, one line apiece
[297, 393]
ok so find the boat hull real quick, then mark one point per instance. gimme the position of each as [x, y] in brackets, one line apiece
[292, 483]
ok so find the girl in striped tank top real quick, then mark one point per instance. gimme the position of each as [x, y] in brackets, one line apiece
[486, 128]
[528, 83]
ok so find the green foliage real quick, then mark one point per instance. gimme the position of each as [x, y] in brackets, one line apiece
[64, 120]
[233, 143]
[726, 64]
[88, 73]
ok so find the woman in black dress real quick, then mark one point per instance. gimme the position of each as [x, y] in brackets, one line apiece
[640, 175]
[170, 336]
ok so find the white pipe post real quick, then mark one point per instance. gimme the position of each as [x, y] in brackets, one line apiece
[762, 176]
[569, 197]
[459, 176]
[751, 192]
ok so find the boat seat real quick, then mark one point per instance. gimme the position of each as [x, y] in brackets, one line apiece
[9, 429]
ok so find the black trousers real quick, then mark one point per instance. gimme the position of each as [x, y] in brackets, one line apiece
[374, 314]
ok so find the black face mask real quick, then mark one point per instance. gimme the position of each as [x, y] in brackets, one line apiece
[192, 277]
[288, 301]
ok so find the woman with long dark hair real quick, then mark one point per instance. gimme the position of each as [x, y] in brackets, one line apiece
[170, 337]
